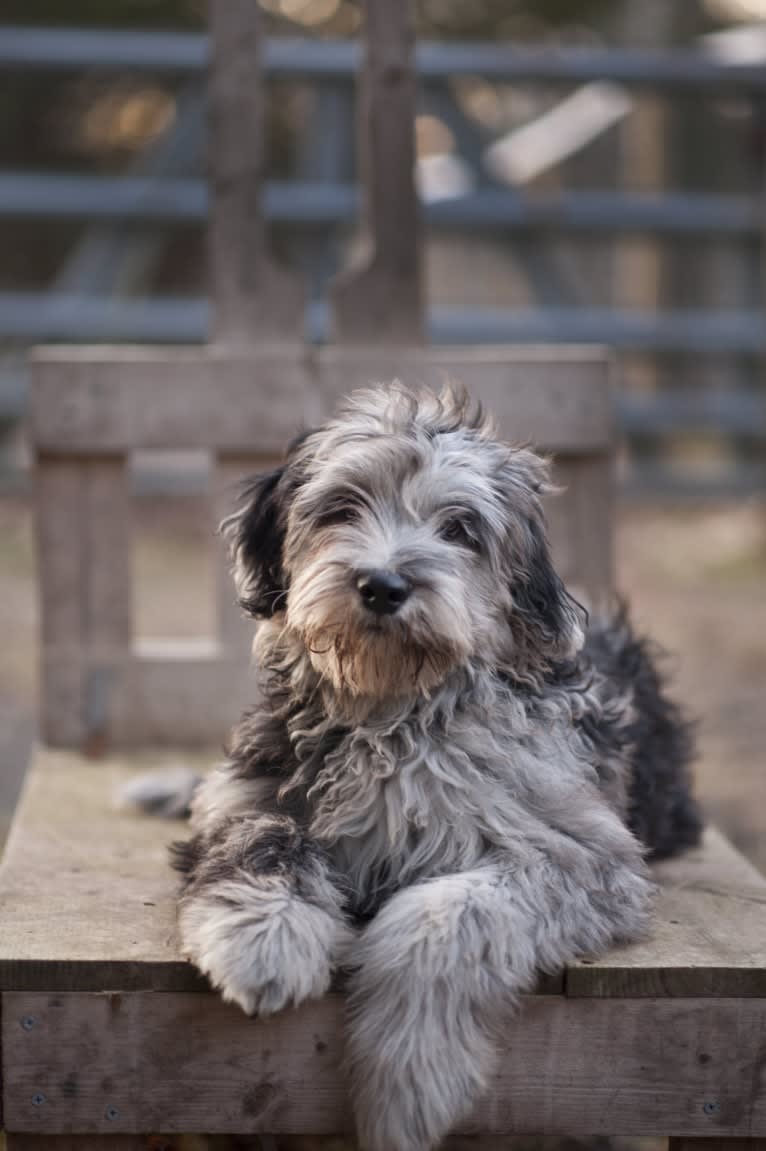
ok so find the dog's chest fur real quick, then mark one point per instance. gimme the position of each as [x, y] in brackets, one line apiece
[432, 791]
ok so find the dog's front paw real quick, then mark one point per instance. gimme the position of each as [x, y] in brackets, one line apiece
[261, 946]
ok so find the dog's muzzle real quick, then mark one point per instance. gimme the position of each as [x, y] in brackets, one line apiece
[383, 592]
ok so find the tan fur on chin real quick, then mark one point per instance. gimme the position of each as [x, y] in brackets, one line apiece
[381, 666]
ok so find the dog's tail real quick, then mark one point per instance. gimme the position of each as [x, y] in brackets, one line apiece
[166, 793]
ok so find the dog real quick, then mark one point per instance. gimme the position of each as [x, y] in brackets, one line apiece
[453, 779]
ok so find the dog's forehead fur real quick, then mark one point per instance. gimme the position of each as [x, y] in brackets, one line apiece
[424, 453]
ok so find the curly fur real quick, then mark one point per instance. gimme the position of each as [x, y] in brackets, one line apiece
[446, 799]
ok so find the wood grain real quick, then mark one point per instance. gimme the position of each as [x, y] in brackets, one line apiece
[86, 890]
[190, 1062]
[102, 399]
[558, 399]
[106, 920]
[180, 694]
[107, 917]
[84, 562]
[581, 518]
[117, 399]
[708, 936]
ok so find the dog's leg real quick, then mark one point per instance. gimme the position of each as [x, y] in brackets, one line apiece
[440, 971]
[261, 915]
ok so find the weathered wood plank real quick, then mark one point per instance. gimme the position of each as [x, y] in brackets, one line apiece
[181, 694]
[580, 518]
[59, 488]
[102, 399]
[558, 400]
[254, 297]
[381, 300]
[84, 562]
[708, 937]
[86, 890]
[116, 399]
[108, 913]
[190, 1062]
[106, 520]
[107, 919]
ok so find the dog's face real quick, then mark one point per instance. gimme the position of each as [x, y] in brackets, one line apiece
[400, 541]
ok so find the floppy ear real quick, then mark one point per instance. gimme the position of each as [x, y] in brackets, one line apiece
[545, 620]
[256, 534]
[550, 617]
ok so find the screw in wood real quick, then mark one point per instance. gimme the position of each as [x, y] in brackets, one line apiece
[111, 1114]
[28, 1022]
[712, 1107]
[38, 1099]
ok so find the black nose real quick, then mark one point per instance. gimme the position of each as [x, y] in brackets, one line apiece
[382, 591]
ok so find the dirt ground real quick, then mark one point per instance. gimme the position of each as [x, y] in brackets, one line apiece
[695, 577]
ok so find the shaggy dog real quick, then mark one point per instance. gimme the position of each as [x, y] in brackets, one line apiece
[450, 783]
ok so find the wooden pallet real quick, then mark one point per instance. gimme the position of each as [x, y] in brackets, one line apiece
[107, 1031]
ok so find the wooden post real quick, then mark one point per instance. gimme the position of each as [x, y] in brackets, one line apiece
[255, 299]
[381, 301]
[85, 580]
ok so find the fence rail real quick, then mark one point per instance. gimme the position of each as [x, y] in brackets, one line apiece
[324, 199]
[183, 52]
[34, 195]
[45, 316]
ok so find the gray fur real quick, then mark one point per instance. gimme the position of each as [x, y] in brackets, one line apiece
[438, 800]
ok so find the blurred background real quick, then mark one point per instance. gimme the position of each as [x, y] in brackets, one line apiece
[589, 171]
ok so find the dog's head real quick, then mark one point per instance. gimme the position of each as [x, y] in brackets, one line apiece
[402, 540]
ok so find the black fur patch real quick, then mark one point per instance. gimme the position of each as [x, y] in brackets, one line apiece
[185, 855]
[663, 812]
[540, 596]
[260, 537]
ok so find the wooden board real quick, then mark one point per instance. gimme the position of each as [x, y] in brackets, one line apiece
[181, 1062]
[178, 693]
[558, 399]
[86, 892]
[87, 901]
[709, 935]
[83, 521]
[87, 896]
[116, 399]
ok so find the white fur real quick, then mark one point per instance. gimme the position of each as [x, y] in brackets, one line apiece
[262, 947]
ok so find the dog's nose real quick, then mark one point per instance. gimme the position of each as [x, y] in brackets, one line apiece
[382, 591]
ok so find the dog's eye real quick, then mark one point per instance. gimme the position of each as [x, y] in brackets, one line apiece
[460, 531]
[337, 513]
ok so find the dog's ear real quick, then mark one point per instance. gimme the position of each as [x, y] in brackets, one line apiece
[256, 535]
[546, 617]
[545, 620]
